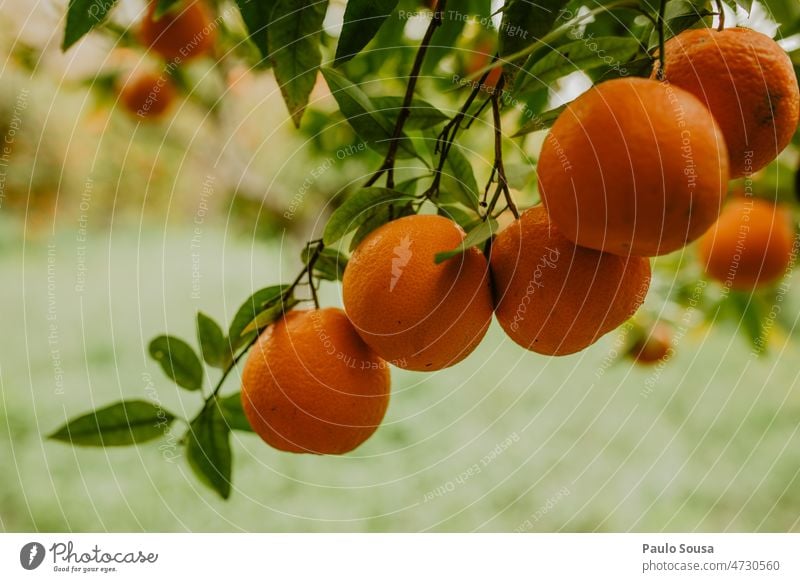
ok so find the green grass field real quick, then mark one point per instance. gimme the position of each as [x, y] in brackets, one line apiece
[505, 441]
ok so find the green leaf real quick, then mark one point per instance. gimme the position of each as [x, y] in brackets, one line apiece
[213, 345]
[121, 424]
[460, 181]
[519, 175]
[208, 449]
[443, 39]
[233, 413]
[83, 16]
[178, 360]
[362, 20]
[464, 218]
[680, 15]
[164, 6]
[330, 263]
[524, 22]
[459, 185]
[357, 208]
[481, 233]
[748, 315]
[582, 55]
[256, 17]
[786, 14]
[249, 310]
[294, 46]
[270, 315]
[746, 4]
[541, 121]
[378, 217]
[368, 122]
[423, 114]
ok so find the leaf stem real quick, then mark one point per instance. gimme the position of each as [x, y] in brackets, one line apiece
[405, 111]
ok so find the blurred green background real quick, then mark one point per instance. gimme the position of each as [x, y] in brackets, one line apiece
[112, 232]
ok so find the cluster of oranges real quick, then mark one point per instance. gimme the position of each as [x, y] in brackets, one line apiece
[632, 169]
[177, 36]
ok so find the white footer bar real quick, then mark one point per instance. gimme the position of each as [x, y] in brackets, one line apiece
[402, 557]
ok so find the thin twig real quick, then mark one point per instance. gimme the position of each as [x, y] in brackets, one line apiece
[405, 110]
[721, 14]
[499, 166]
[448, 135]
[311, 262]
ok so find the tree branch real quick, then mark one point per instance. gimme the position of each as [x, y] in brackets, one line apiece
[405, 110]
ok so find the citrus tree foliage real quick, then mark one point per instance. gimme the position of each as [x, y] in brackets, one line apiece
[537, 44]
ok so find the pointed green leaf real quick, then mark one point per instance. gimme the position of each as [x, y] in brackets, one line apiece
[458, 185]
[541, 121]
[464, 218]
[213, 345]
[269, 316]
[294, 46]
[121, 424]
[378, 217]
[208, 450]
[680, 15]
[608, 51]
[460, 181]
[525, 22]
[254, 305]
[749, 315]
[746, 4]
[363, 116]
[83, 16]
[423, 114]
[357, 208]
[178, 360]
[362, 20]
[233, 413]
[330, 263]
[481, 233]
[164, 6]
[256, 17]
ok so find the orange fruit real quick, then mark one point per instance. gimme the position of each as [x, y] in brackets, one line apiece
[751, 244]
[481, 58]
[747, 82]
[555, 298]
[414, 313]
[148, 95]
[634, 166]
[182, 34]
[652, 346]
[311, 385]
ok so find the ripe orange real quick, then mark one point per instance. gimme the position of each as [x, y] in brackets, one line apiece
[749, 84]
[148, 95]
[411, 311]
[181, 34]
[634, 166]
[311, 385]
[481, 58]
[751, 245]
[653, 346]
[555, 298]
